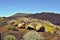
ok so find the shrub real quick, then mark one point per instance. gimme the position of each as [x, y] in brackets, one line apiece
[35, 24]
[1, 19]
[48, 28]
[9, 37]
[10, 27]
[32, 35]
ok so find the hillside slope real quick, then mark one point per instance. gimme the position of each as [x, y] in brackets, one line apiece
[19, 14]
[52, 17]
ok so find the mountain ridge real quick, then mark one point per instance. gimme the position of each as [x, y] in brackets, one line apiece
[50, 16]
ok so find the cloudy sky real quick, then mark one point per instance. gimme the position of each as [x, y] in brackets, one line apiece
[10, 7]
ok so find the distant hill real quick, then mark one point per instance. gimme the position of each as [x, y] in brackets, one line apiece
[20, 14]
[52, 17]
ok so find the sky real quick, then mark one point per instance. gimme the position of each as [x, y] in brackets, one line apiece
[10, 7]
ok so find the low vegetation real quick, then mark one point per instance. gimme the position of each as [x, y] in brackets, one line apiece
[32, 35]
[9, 27]
[9, 37]
[34, 26]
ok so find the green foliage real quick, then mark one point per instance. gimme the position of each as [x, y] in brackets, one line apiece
[1, 19]
[48, 28]
[35, 24]
[10, 27]
[9, 37]
[32, 35]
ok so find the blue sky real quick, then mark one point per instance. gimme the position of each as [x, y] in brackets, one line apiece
[10, 7]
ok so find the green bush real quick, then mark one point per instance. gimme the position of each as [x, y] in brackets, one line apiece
[10, 27]
[35, 24]
[9, 37]
[32, 35]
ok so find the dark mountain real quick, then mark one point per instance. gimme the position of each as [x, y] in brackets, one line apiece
[52, 17]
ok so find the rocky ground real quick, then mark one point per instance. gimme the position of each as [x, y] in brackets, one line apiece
[21, 25]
